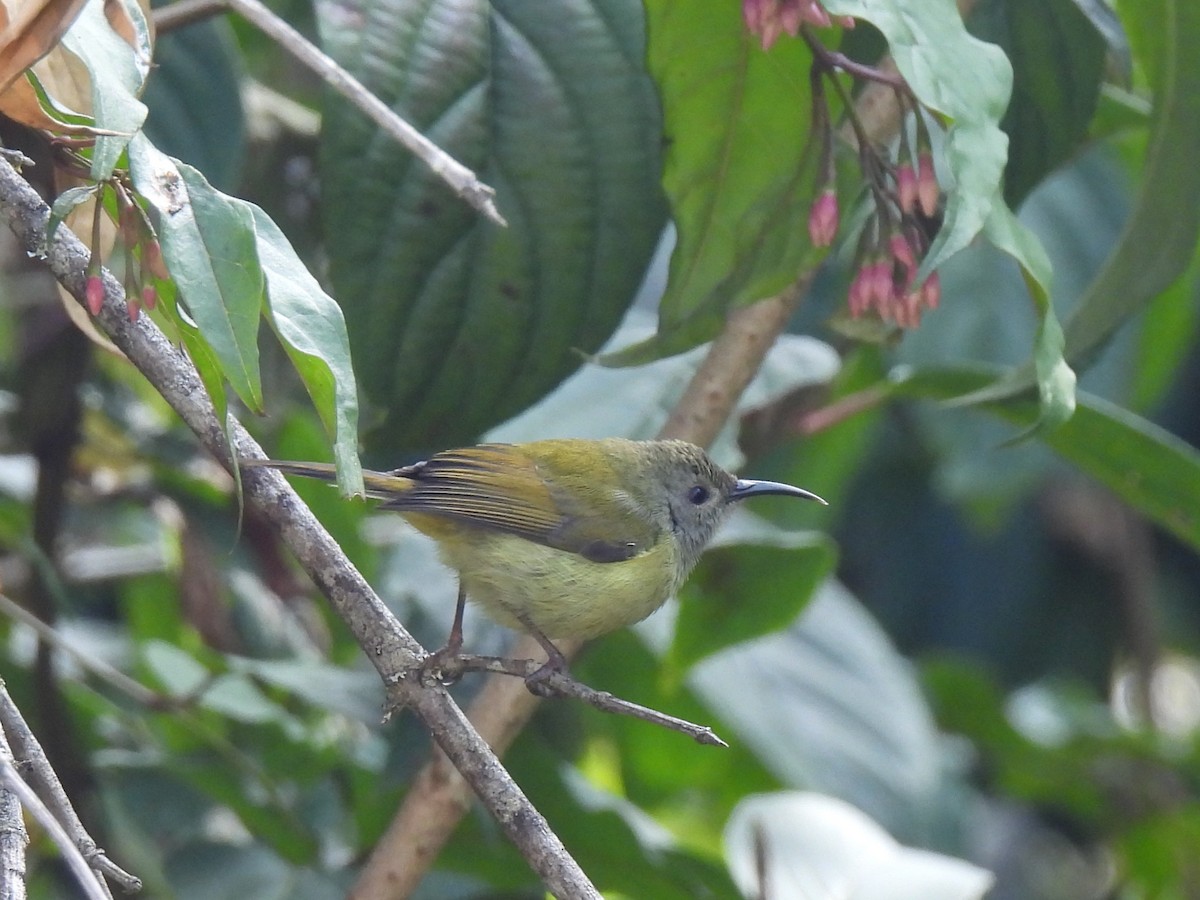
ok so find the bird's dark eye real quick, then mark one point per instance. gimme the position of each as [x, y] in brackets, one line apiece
[698, 495]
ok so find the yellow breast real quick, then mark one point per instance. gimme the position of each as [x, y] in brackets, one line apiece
[561, 594]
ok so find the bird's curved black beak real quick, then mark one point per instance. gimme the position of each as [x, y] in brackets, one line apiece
[746, 488]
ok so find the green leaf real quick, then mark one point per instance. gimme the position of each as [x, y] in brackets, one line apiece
[736, 169]
[744, 591]
[118, 72]
[208, 241]
[830, 705]
[1055, 379]
[969, 82]
[195, 103]
[177, 670]
[964, 79]
[310, 326]
[456, 324]
[1150, 468]
[1058, 56]
[1161, 236]
[67, 201]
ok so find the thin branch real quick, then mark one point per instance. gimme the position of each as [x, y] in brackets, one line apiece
[464, 182]
[28, 752]
[92, 886]
[105, 672]
[389, 647]
[561, 684]
[13, 839]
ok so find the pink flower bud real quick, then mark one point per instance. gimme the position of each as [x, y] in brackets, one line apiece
[931, 290]
[906, 187]
[902, 252]
[133, 306]
[846, 22]
[857, 298]
[152, 260]
[814, 14]
[752, 14]
[791, 15]
[823, 218]
[93, 292]
[149, 296]
[883, 289]
[927, 184]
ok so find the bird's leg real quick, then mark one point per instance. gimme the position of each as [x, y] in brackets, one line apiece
[555, 664]
[436, 662]
[455, 641]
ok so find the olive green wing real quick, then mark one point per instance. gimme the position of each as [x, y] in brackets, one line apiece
[501, 488]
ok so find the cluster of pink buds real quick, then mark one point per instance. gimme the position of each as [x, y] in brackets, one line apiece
[902, 187]
[897, 236]
[137, 236]
[770, 18]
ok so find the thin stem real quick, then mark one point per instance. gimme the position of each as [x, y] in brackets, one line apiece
[562, 684]
[27, 750]
[461, 180]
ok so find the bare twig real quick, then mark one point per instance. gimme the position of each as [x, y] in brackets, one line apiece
[92, 886]
[13, 838]
[460, 179]
[32, 758]
[389, 647]
[49, 635]
[562, 684]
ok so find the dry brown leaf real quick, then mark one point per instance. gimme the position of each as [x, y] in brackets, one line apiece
[34, 29]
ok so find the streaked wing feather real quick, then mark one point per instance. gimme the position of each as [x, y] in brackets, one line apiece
[498, 487]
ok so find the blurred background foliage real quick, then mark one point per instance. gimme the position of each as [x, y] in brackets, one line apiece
[984, 648]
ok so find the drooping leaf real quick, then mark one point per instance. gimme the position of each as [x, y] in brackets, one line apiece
[310, 326]
[1058, 57]
[457, 324]
[208, 242]
[1162, 233]
[118, 71]
[736, 122]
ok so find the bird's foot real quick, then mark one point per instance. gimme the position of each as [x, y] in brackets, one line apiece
[444, 666]
[539, 681]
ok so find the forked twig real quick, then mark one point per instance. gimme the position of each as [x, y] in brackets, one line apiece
[563, 684]
[464, 182]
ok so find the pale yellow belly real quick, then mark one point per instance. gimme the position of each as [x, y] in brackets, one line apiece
[562, 594]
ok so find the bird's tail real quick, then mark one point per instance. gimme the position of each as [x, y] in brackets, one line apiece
[380, 485]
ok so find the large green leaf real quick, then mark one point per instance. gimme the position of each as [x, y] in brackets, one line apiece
[311, 329]
[746, 590]
[830, 705]
[1150, 468]
[1058, 57]
[457, 324]
[736, 127]
[209, 245]
[1160, 238]
[228, 259]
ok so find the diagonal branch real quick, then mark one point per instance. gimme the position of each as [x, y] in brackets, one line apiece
[464, 182]
[389, 647]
